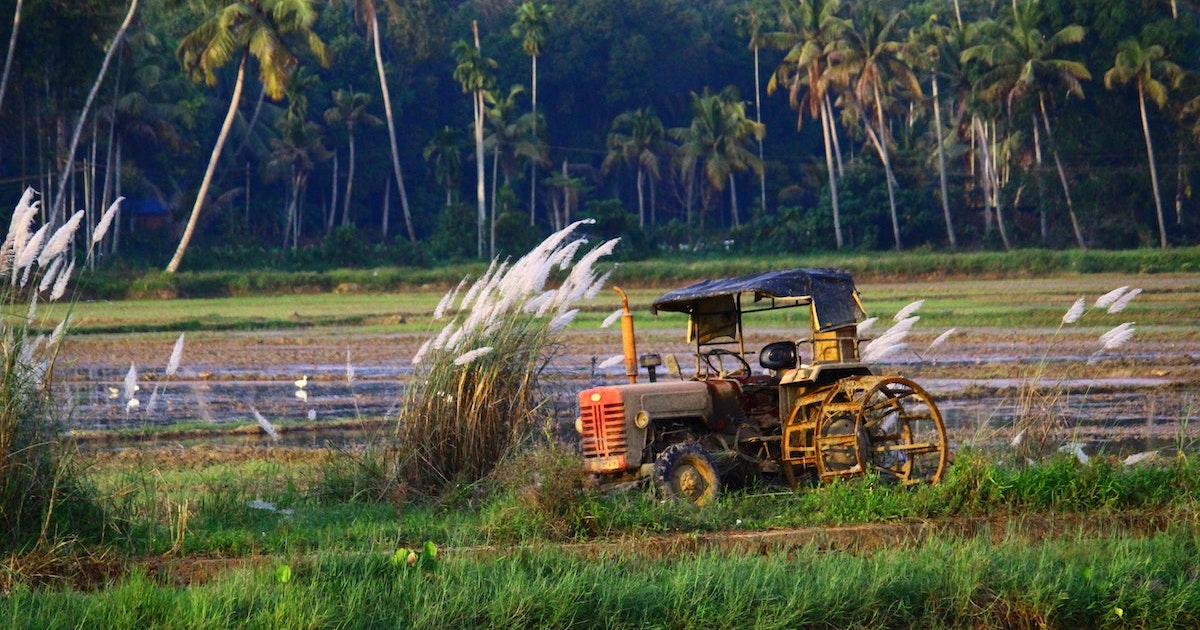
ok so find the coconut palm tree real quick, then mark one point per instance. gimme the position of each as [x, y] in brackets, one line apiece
[870, 63]
[751, 19]
[266, 30]
[637, 139]
[1143, 66]
[1019, 62]
[473, 73]
[533, 20]
[350, 109]
[508, 137]
[366, 11]
[716, 142]
[445, 151]
[807, 30]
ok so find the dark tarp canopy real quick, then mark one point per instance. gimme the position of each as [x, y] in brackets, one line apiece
[831, 290]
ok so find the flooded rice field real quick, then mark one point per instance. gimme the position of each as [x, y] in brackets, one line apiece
[990, 385]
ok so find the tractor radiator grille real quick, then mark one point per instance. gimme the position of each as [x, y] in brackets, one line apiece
[605, 441]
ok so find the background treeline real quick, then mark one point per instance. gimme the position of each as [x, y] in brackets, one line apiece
[762, 127]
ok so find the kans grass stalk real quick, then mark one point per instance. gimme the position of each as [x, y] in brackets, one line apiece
[37, 486]
[474, 395]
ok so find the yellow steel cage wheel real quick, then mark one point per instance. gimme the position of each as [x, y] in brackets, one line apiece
[887, 424]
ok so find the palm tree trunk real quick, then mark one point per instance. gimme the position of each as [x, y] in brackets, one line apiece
[833, 190]
[881, 149]
[349, 179]
[173, 266]
[762, 176]
[83, 114]
[937, 120]
[387, 110]
[1037, 174]
[733, 204]
[641, 176]
[533, 163]
[331, 217]
[1162, 227]
[12, 47]
[1062, 176]
[492, 217]
[837, 146]
[480, 187]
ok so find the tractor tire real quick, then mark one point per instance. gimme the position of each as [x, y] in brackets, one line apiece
[685, 472]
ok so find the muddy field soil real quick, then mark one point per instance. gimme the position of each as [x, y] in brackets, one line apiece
[989, 383]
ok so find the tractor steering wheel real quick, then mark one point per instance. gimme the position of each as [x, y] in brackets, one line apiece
[718, 365]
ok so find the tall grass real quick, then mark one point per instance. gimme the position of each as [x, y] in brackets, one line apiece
[40, 496]
[474, 395]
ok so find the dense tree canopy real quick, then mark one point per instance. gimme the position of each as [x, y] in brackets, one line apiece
[884, 124]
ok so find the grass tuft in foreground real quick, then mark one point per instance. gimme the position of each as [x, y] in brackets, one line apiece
[42, 499]
[474, 395]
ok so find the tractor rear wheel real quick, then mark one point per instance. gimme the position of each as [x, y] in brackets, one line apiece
[685, 472]
[907, 435]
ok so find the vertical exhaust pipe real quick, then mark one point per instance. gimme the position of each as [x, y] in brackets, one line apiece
[628, 344]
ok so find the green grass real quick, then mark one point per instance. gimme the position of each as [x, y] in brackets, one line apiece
[1114, 581]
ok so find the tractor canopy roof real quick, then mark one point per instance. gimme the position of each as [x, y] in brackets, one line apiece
[831, 293]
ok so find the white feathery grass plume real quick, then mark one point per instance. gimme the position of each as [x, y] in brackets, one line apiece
[1017, 439]
[60, 285]
[877, 352]
[864, 327]
[448, 300]
[1124, 301]
[594, 290]
[564, 256]
[349, 368]
[478, 285]
[612, 318]
[416, 360]
[50, 275]
[891, 341]
[536, 302]
[1106, 300]
[580, 279]
[266, 425]
[106, 220]
[1117, 337]
[30, 348]
[467, 357]
[452, 341]
[612, 361]
[941, 339]
[439, 342]
[131, 386]
[18, 229]
[176, 356]
[60, 330]
[33, 304]
[30, 251]
[1075, 312]
[563, 320]
[61, 239]
[908, 310]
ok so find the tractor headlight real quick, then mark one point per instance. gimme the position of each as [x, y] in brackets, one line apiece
[579, 424]
[641, 420]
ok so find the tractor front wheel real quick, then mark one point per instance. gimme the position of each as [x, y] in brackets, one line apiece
[685, 472]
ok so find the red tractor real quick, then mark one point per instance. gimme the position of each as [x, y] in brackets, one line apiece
[823, 416]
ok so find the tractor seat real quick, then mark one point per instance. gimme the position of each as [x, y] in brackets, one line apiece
[779, 355]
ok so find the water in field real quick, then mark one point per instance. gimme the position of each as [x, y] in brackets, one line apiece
[1115, 416]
